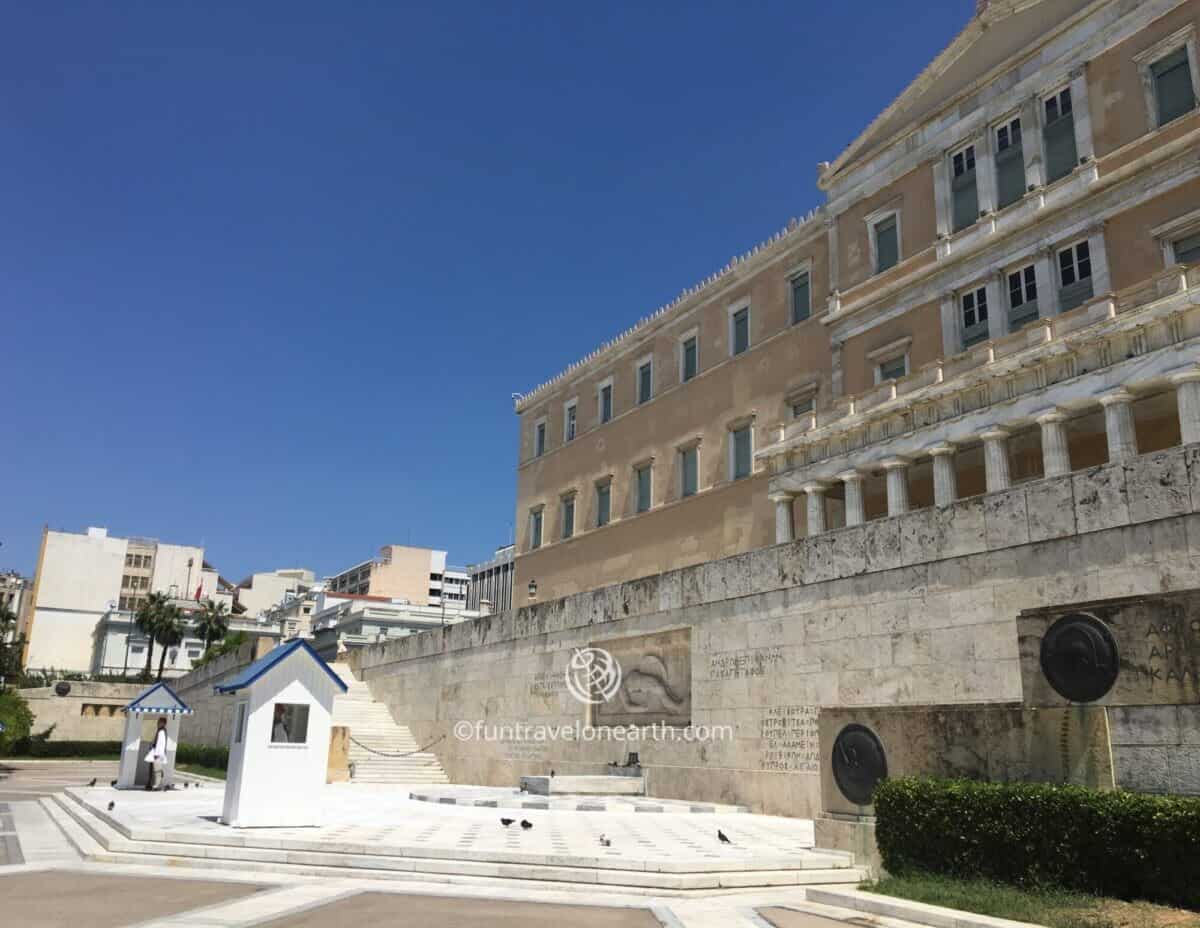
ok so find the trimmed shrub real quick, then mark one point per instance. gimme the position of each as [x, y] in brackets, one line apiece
[16, 718]
[202, 754]
[1111, 843]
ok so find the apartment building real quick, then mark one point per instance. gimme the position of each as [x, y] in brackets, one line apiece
[490, 589]
[89, 585]
[418, 575]
[999, 286]
[260, 593]
[14, 594]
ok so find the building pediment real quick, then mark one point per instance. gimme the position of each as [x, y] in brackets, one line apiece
[1000, 31]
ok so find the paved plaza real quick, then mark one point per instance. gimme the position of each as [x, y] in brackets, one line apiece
[58, 885]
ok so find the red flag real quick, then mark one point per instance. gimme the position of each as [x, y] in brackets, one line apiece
[199, 590]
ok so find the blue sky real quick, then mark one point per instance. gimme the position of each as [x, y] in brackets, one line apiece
[272, 271]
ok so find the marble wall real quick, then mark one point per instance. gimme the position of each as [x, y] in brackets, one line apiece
[915, 610]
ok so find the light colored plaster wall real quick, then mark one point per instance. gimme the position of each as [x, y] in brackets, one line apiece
[917, 609]
[913, 195]
[213, 713]
[1116, 101]
[80, 571]
[407, 576]
[1133, 253]
[732, 518]
[922, 324]
[171, 569]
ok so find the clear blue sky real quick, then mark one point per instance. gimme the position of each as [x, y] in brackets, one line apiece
[271, 272]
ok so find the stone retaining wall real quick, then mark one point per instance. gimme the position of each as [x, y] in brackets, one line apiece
[919, 609]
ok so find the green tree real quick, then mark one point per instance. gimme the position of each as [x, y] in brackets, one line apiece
[212, 623]
[147, 620]
[168, 633]
[15, 718]
[12, 646]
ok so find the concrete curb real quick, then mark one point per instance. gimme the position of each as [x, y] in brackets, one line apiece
[934, 916]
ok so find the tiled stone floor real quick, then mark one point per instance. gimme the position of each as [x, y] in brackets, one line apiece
[497, 797]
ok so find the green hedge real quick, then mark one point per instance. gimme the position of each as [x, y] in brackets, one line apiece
[216, 757]
[1112, 843]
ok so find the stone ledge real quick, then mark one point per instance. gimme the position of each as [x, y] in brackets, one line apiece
[917, 912]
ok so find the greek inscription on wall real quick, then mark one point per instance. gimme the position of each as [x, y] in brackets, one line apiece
[1172, 652]
[789, 739]
[547, 683]
[736, 665]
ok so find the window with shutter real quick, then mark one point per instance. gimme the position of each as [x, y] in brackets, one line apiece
[689, 359]
[974, 316]
[606, 407]
[1059, 135]
[1022, 298]
[1187, 250]
[603, 503]
[569, 422]
[643, 488]
[645, 382]
[568, 517]
[887, 244]
[1075, 276]
[1010, 164]
[689, 471]
[535, 529]
[741, 330]
[893, 368]
[1173, 91]
[801, 299]
[741, 463]
[963, 188]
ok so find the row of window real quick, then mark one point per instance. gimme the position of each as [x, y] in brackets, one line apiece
[689, 364]
[139, 560]
[135, 583]
[741, 465]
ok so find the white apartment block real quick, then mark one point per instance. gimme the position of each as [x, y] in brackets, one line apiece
[418, 576]
[259, 593]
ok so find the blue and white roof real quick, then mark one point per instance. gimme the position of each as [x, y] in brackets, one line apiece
[160, 699]
[248, 675]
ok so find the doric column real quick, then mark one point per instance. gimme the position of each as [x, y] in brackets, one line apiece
[785, 528]
[815, 491]
[1044, 273]
[1082, 115]
[856, 512]
[997, 320]
[995, 459]
[1056, 457]
[897, 485]
[1118, 424]
[1101, 278]
[1187, 393]
[1031, 125]
[945, 480]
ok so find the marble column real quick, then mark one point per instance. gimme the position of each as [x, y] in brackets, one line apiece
[815, 491]
[1056, 457]
[1118, 424]
[995, 459]
[945, 478]
[856, 512]
[785, 527]
[1187, 392]
[897, 485]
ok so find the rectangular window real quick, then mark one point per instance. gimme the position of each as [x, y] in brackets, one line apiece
[1022, 297]
[1173, 92]
[568, 516]
[974, 316]
[964, 190]
[603, 503]
[539, 439]
[690, 359]
[645, 375]
[1058, 134]
[1075, 276]
[801, 408]
[606, 407]
[740, 325]
[689, 471]
[1187, 250]
[801, 298]
[1010, 164]
[535, 529]
[741, 455]
[569, 422]
[643, 474]
[290, 723]
[893, 368]
[887, 244]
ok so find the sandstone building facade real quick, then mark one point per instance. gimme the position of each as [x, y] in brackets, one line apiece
[992, 293]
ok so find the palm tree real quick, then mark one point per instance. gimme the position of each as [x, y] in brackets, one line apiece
[147, 619]
[213, 622]
[169, 633]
